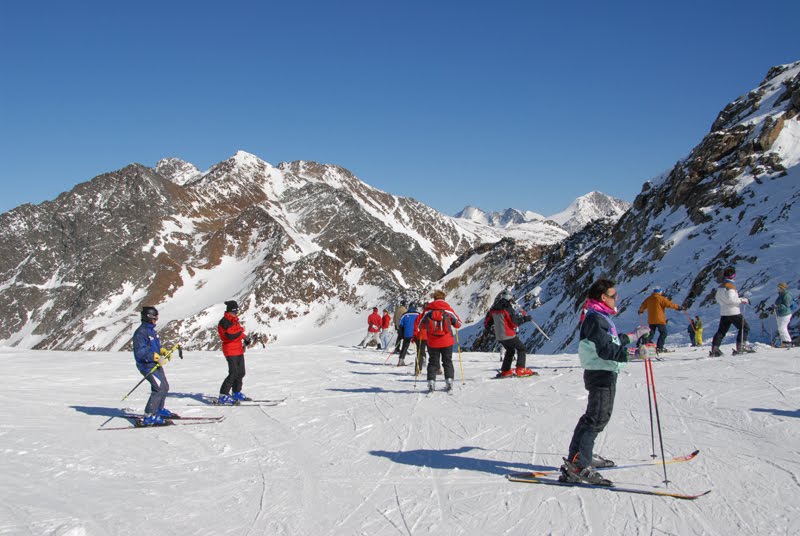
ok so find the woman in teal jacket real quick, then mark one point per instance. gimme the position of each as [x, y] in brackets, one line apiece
[783, 313]
[603, 352]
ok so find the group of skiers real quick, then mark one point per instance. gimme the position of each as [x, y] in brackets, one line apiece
[432, 332]
[150, 358]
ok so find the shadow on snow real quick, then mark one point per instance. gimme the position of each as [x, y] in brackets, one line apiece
[779, 412]
[451, 459]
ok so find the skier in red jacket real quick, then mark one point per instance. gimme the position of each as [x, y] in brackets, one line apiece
[234, 341]
[438, 320]
[374, 323]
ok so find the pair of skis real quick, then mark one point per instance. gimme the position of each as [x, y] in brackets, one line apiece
[212, 401]
[137, 422]
[546, 478]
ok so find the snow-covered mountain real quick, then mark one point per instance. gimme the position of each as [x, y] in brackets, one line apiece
[304, 247]
[588, 208]
[732, 201]
[585, 209]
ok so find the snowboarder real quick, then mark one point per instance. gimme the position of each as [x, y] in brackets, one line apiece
[730, 314]
[602, 352]
[438, 319]
[655, 305]
[148, 353]
[374, 322]
[505, 317]
[386, 322]
[783, 313]
[407, 322]
[234, 341]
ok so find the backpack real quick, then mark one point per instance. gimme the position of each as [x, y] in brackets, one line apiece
[438, 323]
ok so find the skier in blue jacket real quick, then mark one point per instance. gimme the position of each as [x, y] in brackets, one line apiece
[148, 353]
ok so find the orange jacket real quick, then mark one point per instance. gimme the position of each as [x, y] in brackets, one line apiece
[655, 305]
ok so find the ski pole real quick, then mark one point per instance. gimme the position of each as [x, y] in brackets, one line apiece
[649, 363]
[460, 362]
[649, 402]
[167, 357]
[540, 329]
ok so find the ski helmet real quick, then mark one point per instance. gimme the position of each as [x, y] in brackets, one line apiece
[149, 314]
[231, 307]
[505, 295]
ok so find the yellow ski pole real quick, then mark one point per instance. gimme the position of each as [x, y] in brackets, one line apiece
[166, 357]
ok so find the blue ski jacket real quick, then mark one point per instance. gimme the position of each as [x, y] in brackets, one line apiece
[145, 344]
[407, 323]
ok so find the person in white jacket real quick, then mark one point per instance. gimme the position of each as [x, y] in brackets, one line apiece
[730, 314]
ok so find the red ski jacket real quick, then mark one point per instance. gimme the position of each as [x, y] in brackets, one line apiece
[387, 321]
[232, 334]
[374, 321]
[449, 320]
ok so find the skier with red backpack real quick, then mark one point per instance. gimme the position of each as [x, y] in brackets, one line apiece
[438, 320]
[505, 317]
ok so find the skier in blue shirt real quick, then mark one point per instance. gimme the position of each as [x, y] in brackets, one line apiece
[148, 353]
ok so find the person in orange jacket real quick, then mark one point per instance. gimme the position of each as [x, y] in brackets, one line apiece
[374, 323]
[438, 320]
[655, 304]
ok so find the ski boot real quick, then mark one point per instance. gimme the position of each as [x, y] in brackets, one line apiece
[715, 352]
[153, 419]
[521, 372]
[226, 400]
[401, 363]
[506, 373]
[448, 385]
[743, 348]
[430, 386]
[573, 474]
[241, 397]
[164, 413]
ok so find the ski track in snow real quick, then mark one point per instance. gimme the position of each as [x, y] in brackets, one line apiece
[359, 448]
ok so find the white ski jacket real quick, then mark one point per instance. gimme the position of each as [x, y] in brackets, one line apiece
[728, 300]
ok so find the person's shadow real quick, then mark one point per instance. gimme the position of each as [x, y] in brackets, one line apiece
[372, 390]
[779, 412]
[451, 459]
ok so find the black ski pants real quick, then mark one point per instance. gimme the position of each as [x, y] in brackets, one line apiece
[602, 387]
[513, 346]
[235, 375]
[446, 357]
[725, 322]
[662, 335]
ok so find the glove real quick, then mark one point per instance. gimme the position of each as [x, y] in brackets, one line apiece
[745, 300]
[247, 341]
[164, 352]
[159, 358]
[640, 332]
[526, 318]
[681, 308]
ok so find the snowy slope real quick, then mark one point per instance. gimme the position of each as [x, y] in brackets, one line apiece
[358, 449]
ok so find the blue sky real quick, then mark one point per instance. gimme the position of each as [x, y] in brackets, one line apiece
[494, 104]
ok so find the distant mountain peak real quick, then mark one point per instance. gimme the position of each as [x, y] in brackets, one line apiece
[588, 208]
[177, 170]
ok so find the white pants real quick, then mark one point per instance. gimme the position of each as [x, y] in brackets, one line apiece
[783, 328]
